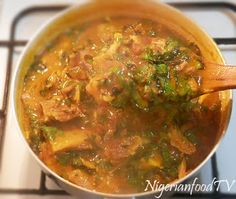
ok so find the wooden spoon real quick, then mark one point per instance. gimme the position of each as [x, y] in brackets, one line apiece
[217, 77]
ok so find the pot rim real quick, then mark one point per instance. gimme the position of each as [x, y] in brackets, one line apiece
[51, 172]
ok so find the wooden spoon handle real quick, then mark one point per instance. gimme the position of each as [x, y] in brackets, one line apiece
[216, 77]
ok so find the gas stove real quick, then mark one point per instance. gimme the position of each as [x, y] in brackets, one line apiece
[20, 176]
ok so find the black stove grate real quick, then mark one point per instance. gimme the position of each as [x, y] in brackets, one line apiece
[13, 42]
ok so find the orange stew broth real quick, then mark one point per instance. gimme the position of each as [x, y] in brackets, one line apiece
[107, 105]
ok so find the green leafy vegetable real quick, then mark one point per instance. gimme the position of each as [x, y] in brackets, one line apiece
[35, 140]
[69, 158]
[162, 69]
[51, 132]
[191, 135]
[38, 67]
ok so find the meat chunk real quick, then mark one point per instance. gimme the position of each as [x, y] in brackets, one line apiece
[93, 88]
[180, 142]
[158, 45]
[33, 107]
[118, 149]
[77, 72]
[54, 109]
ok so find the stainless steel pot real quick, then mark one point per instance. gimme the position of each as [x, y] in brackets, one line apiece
[88, 10]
